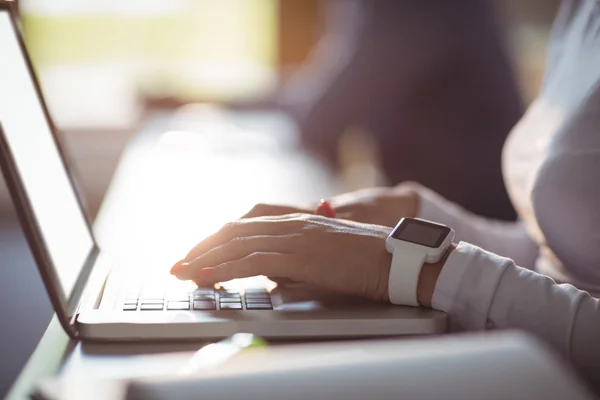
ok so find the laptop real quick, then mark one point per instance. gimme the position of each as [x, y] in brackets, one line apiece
[92, 296]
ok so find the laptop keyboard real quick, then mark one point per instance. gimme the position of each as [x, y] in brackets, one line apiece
[200, 299]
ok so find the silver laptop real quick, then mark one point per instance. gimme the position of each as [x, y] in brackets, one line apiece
[94, 299]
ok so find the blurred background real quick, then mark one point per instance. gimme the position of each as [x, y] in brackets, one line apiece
[107, 66]
[104, 65]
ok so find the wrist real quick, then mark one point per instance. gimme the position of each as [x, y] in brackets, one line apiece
[428, 278]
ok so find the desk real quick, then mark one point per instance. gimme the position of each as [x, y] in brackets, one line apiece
[230, 163]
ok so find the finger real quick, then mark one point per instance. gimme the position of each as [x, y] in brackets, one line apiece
[241, 228]
[351, 216]
[261, 210]
[179, 267]
[259, 263]
[235, 249]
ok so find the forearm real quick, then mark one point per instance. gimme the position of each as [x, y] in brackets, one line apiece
[480, 290]
[507, 238]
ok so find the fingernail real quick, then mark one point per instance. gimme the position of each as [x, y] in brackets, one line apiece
[325, 209]
[320, 210]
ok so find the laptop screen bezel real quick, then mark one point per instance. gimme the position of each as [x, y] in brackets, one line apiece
[65, 304]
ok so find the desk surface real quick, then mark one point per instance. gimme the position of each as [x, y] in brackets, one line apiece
[175, 170]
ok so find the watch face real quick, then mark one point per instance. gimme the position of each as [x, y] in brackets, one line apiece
[420, 232]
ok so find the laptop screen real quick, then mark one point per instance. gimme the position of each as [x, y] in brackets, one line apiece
[46, 181]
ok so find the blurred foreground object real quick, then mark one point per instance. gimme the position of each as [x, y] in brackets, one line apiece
[507, 365]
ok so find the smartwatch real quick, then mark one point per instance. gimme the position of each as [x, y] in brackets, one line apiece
[412, 243]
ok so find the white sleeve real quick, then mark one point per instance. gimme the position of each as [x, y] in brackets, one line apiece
[502, 237]
[480, 290]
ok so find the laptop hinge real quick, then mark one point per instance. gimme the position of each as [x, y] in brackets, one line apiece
[73, 323]
[76, 296]
[93, 291]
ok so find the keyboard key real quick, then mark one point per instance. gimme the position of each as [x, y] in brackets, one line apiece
[204, 291]
[230, 296]
[258, 297]
[250, 305]
[204, 305]
[178, 297]
[259, 306]
[152, 301]
[224, 291]
[151, 307]
[256, 291]
[204, 296]
[263, 298]
[231, 306]
[178, 305]
[130, 307]
[230, 300]
[131, 300]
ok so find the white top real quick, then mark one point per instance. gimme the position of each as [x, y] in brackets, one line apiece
[551, 167]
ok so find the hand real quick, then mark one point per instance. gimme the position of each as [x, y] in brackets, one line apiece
[338, 255]
[266, 210]
[379, 206]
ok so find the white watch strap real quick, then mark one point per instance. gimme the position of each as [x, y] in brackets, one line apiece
[404, 277]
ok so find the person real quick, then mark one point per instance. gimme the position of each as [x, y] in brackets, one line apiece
[540, 274]
[385, 67]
